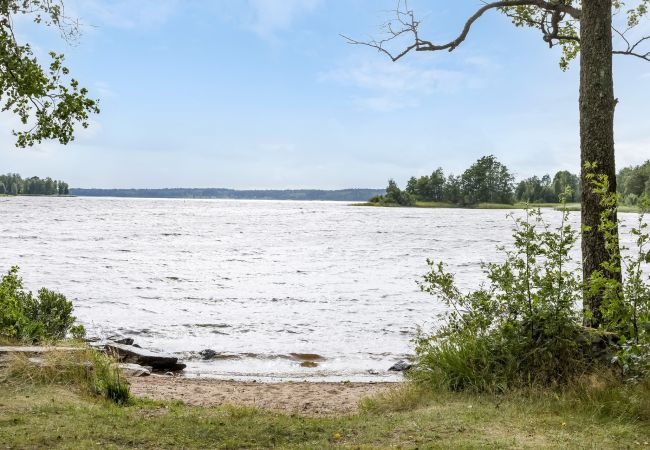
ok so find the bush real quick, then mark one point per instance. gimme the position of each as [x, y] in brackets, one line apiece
[48, 316]
[522, 329]
[525, 327]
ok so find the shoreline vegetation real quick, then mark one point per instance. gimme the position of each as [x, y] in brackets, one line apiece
[488, 184]
[519, 205]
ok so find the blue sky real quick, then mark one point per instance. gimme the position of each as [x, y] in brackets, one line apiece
[266, 94]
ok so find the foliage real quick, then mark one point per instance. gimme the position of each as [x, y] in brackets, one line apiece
[524, 327]
[486, 181]
[428, 188]
[633, 184]
[31, 186]
[48, 316]
[394, 196]
[520, 330]
[46, 100]
[536, 190]
[563, 30]
[626, 304]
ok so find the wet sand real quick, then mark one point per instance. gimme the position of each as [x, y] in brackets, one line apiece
[305, 398]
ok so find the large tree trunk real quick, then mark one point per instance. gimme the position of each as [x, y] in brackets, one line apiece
[597, 106]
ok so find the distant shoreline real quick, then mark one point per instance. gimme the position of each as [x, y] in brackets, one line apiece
[349, 195]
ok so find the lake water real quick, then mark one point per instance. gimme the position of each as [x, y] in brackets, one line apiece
[260, 282]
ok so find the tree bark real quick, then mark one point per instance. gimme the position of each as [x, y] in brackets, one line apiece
[597, 106]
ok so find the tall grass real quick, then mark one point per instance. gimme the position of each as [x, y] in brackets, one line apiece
[87, 369]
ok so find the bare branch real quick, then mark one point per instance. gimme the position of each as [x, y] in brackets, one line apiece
[406, 18]
[631, 49]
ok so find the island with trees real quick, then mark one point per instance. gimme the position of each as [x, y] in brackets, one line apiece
[14, 184]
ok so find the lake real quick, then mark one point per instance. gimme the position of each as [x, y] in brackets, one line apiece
[260, 282]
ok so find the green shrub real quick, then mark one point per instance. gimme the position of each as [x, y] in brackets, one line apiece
[48, 316]
[522, 329]
[625, 306]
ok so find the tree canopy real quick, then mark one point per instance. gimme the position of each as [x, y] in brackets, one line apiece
[48, 102]
[14, 184]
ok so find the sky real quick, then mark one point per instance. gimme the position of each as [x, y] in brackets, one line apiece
[267, 94]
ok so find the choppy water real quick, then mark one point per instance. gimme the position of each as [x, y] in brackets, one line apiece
[257, 281]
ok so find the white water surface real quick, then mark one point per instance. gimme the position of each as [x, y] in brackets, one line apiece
[256, 281]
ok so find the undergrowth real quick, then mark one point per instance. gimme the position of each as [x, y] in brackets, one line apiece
[524, 328]
[87, 369]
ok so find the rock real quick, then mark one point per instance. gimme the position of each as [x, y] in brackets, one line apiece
[37, 361]
[372, 372]
[400, 366]
[178, 367]
[135, 370]
[125, 341]
[158, 361]
[207, 353]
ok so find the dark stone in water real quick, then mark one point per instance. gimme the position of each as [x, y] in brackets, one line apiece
[207, 353]
[125, 341]
[308, 364]
[400, 366]
[129, 354]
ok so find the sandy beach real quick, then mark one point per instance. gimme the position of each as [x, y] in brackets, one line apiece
[305, 398]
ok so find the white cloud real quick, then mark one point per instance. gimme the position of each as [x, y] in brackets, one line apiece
[272, 16]
[393, 86]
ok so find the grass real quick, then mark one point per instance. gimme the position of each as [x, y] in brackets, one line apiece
[87, 370]
[621, 208]
[36, 414]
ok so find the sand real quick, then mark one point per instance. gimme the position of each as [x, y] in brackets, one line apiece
[305, 398]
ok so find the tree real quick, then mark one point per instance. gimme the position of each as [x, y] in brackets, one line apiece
[395, 196]
[437, 185]
[581, 27]
[563, 180]
[3, 190]
[46, 100]
[486, 181]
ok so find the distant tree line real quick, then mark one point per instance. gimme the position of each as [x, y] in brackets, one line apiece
[14, 184]
[633, 184]
[547, 190]
[485, 181]
[349, 195]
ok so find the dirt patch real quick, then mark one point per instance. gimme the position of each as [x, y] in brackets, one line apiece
[295, 398]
